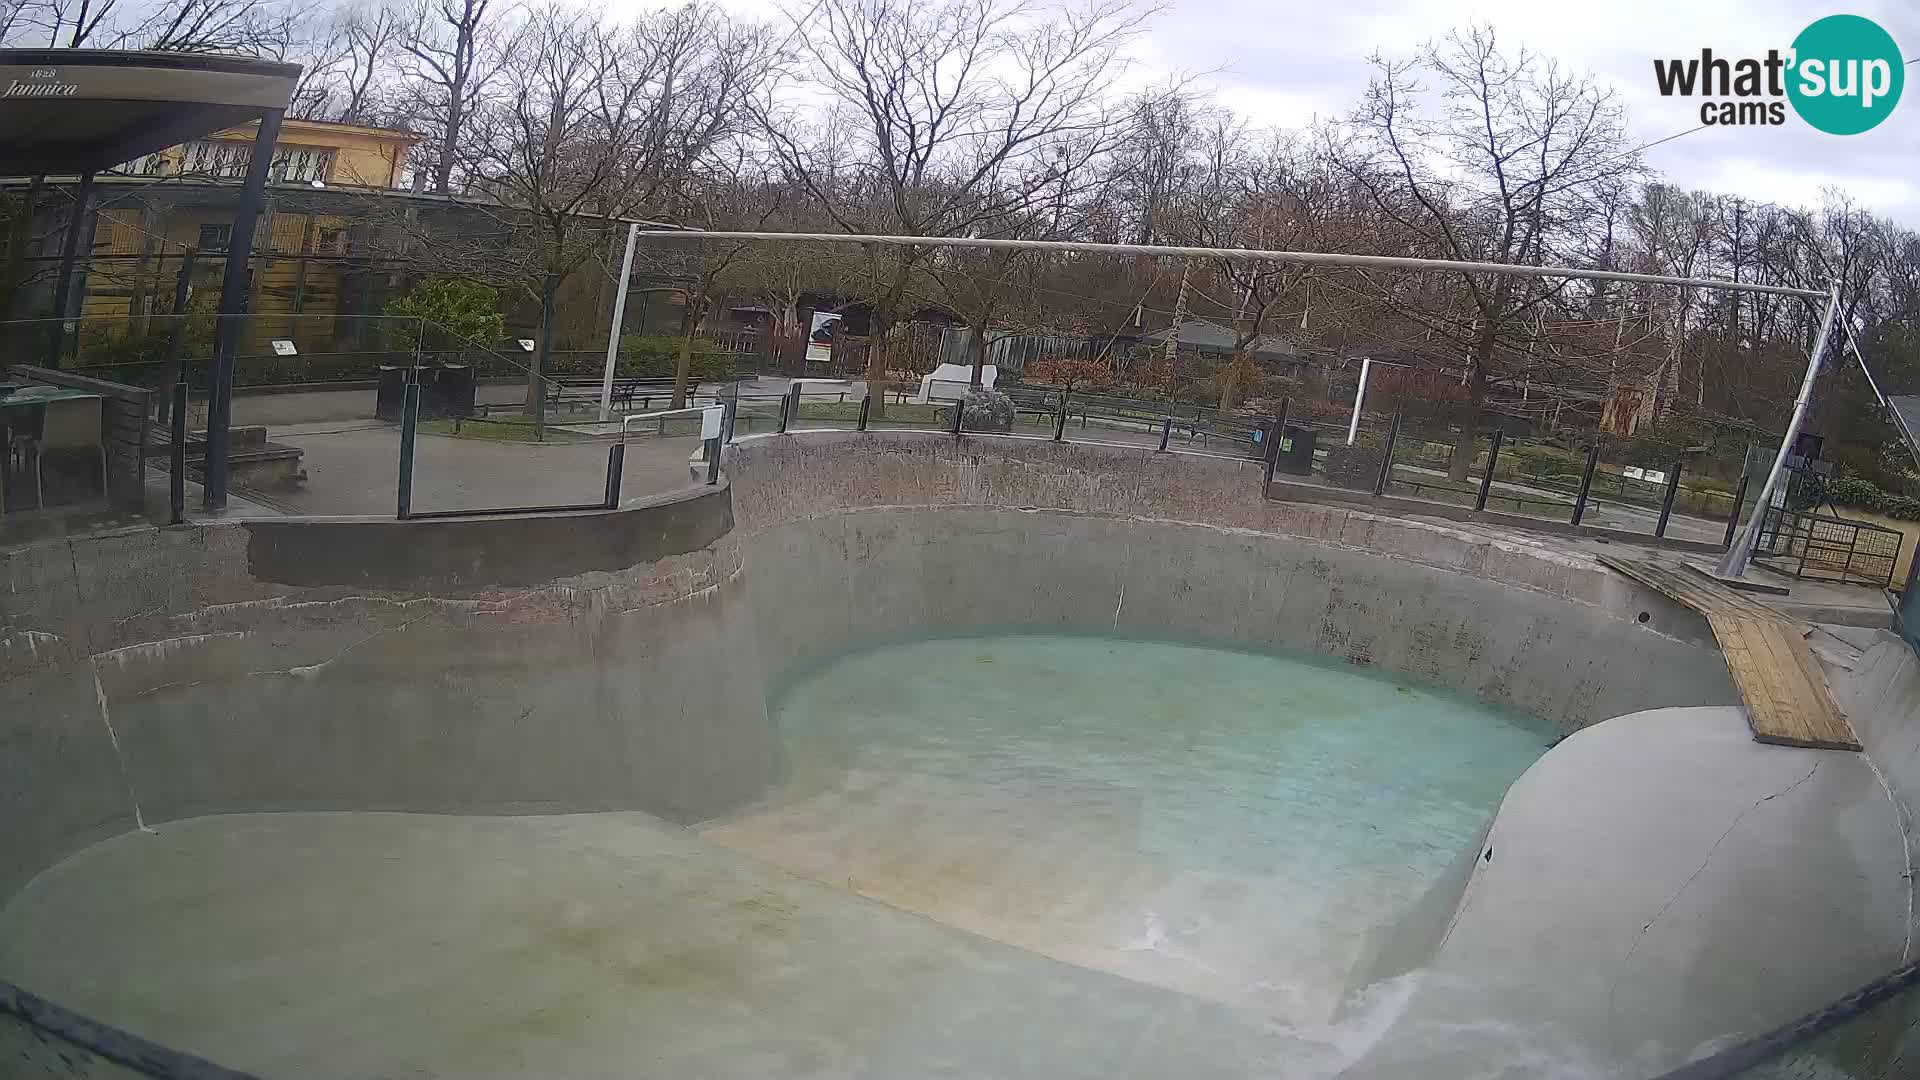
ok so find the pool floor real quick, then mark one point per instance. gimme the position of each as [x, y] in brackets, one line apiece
[590, 945]
[1234, 825]
[1029, 856]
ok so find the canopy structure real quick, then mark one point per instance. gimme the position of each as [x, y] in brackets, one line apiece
[69, 112]
[76, 112]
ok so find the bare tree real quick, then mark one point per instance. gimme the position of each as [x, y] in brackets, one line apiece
[451, 51]
[944, 117]
[73, 24]
[592, 123]
[346, 70]
[1504, 167]
[18, 19]
[250, 27]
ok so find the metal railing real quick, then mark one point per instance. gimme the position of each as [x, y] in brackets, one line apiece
[712, 427]
[1870, 1034]
[1582, 487]
[1816, 547]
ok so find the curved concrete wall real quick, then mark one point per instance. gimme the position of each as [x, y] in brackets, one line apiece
[621, 661]
[162, 674]
[855, 538]
[602, 661]
[1654, 886]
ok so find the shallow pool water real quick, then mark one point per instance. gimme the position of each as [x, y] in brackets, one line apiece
[1231, 824]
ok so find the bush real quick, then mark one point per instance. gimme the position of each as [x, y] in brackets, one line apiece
[1544, 461]
[655, 356]
[457, 313]
[1863, 495]
[130, 347]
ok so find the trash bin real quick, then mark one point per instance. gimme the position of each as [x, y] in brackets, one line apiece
[389, 395]
[1296, 451]
[456, 388]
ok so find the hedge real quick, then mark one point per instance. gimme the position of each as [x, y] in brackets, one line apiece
[1863, 495]
[654, 357]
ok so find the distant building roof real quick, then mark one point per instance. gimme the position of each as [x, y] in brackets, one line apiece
[1211, 336]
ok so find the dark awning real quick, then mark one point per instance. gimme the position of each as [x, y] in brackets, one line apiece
[67, 111]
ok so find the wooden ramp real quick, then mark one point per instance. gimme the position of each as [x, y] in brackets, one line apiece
[1780, 680]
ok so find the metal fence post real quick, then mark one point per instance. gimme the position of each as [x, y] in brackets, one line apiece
[177, 483]
[1381, 481]
[1493, 458]
[1733, 519]
[959, 415]
[726, 419]
[1586, 482]
[409, 420]
[1166, 432]
[1275, 433]
[1060, 421]
[790, 406]
[1666, 504]
[616, 463]
[866, 406]
[713, 462]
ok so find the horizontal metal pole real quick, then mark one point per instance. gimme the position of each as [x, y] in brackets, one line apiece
[691, 410]
[1302, 258]
[494, 511]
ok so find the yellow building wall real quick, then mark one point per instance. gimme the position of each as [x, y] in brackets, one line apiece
[287, 301]
[279, 286]
[362, 156]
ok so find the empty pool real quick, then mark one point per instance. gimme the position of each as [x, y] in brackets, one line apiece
[906, 755]
[1232, 824]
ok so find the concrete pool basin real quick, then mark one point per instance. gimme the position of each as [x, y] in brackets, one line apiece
[252, 690]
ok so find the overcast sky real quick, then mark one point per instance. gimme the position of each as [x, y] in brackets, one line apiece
[1282, 62]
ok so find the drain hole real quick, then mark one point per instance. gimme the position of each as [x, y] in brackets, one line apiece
[1644, 616]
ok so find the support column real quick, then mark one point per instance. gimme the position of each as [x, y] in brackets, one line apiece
[13, 274]
[232, 319]
[63, 288]
[1734, 562]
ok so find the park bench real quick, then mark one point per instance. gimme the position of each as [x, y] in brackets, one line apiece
[584, 391]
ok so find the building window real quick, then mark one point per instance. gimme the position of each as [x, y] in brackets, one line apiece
[217, 157]
[332, 241]
[301, 164]
[215, 237]
[228, 159]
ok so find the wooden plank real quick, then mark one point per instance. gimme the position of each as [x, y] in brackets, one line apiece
[1780, 680]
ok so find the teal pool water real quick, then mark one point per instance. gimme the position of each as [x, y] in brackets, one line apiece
[1236, 825]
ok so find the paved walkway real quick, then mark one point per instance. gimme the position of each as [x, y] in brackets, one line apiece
[355, 469]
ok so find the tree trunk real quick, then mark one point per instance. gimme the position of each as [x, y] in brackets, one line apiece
[683, 364]
[1468, 442]
[449, 142]
[877, 364]
[1233, 382]
[977, 349]
[536, 405]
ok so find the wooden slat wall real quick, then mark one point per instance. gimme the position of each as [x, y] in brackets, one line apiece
[1786, 693]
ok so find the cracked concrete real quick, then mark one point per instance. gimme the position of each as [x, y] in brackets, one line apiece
[1661, 882]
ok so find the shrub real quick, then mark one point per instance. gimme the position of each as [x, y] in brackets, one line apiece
[1069, 374]
[1863, 495]
[655, 356]
[462, 312]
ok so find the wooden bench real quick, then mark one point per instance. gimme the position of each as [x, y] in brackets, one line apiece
[625, 388]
